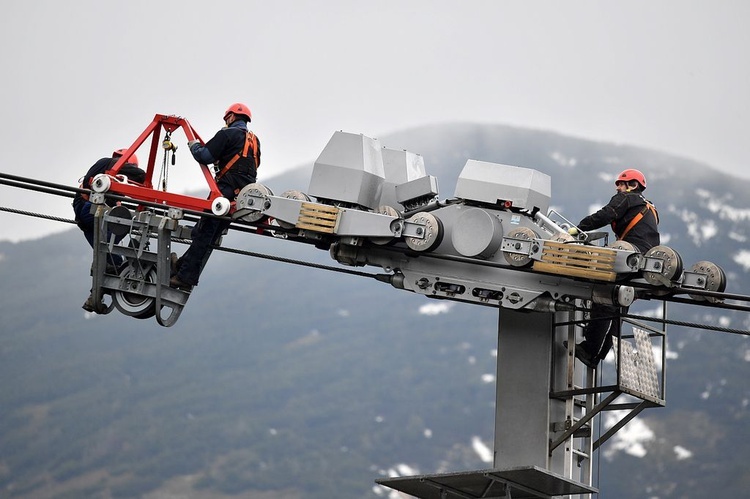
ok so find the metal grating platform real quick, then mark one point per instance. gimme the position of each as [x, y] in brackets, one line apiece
[638, 371]
[524, 483]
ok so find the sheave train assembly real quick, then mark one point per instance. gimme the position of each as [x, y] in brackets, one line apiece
[495, 242]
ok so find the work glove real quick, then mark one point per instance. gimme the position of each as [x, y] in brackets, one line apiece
[192, 143]
[573, 231]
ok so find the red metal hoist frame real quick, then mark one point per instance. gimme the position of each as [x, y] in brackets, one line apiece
[146, 191]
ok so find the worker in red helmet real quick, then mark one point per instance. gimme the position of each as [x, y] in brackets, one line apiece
[633, 219]
[239, 109]
[235, 153]
[133, 159]
[82, 206]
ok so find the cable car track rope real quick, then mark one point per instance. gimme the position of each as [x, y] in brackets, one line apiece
[67, 191]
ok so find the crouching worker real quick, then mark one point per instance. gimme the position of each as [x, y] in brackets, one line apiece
[633, 219]
[82, 207]
[235, 153]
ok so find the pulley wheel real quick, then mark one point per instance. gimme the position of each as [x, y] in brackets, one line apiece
[220, 206]
[671, 266]
[101, 183]
[519, 259]
[292, 194]
[632, 260]
[431, 232]
[247, 200]
[624, 245]
[391, 212]
[562, 237]
[134, 304]
[716, 280]
[477, 233]
[120, 212]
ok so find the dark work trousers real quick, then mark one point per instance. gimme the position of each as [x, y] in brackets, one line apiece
[205, 233]
[600, 328]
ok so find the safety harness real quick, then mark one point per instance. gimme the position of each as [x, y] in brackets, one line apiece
[634, 221]
[251, 143]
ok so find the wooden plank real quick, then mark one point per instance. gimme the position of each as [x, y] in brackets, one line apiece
[597, 275]
[320, 208]
[602, 254]
[318, 217]
[315, 220]
[316, 228]
[315, 214]
[579, 250]
[580, 262]
[580, 254]
[580, 259]
[590, 262]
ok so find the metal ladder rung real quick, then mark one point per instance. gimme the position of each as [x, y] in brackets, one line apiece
[580, 453]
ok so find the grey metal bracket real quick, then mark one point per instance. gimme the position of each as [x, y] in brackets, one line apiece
[142, 287]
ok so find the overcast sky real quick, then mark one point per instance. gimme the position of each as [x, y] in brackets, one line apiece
[83, 77]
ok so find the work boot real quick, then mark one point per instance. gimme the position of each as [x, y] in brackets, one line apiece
[588, 360]
[90, 305]
[176, 282]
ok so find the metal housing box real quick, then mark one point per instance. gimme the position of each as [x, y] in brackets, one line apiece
[422, 187]
[400, 167]
[495, 183]
[350, 169]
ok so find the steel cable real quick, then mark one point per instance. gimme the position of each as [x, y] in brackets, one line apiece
[67, 191]
[37, 215]
[296, 262]
[687, 324]
[660, 320]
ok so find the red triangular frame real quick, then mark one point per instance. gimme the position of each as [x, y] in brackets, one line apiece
[146, 191]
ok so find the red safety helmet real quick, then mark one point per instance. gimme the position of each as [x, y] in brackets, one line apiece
[119, 152]
[632, 174]
[241, 109]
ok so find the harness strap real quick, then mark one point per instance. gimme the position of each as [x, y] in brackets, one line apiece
[638, 218]
[84, 196]
[251, 142]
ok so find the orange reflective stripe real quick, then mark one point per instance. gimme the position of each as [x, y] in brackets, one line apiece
[84, 196]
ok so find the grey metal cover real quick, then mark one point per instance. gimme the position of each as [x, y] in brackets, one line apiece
[350, 169]
[400, 167]
[525, 482]
[492, 182]
[419, 187]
